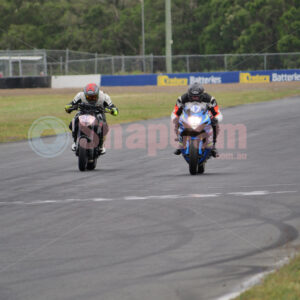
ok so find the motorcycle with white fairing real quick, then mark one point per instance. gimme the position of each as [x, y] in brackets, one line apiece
[89, 135]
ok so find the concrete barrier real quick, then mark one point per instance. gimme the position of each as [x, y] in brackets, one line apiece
[25, 82]
[74, 81]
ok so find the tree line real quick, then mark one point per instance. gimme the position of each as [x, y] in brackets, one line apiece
[114, 26]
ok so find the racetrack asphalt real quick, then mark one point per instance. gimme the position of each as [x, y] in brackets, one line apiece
[140, 227]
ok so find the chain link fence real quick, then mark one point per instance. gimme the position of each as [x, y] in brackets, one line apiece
[67, 62]
[23, 63]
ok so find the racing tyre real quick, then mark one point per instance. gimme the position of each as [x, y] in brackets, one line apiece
[193, 157]
[201, 168]
[92, 165]
[82, 154]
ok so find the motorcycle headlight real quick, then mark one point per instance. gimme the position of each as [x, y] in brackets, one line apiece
[87, 120]
[194, 121]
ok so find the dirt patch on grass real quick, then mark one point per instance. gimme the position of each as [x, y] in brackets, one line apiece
[154, 89]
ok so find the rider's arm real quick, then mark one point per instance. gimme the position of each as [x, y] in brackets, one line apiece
[73, 105]
[177, 107]
[214, 109]
[77, 100]
[108, 105]
[179, 104]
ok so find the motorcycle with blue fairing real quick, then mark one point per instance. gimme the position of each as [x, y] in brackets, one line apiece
[195, 135]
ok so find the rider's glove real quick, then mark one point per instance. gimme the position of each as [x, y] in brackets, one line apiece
[69, 108]
[114, 111]
[214, 121]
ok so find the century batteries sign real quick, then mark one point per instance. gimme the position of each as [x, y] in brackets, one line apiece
[205, 79]
[269, 76]
[185, 79]
[165, 80]
[280, 77]
[248, 78]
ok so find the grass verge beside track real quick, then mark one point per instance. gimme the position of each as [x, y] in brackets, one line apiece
[283, 284]
[19, 110]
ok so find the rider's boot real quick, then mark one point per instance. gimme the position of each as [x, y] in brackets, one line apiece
[214, 151]
[180, 145]
[177, 151]
[73, 147]
[101, 147]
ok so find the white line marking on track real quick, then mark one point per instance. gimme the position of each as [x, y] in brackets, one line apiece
[284, 192]
[266, 185]
[204, 195]
[253, 193]
[154, 197]
[135, 198]
[260, 193]
[255, 186]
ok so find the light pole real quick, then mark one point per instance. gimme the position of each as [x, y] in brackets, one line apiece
[169, 40]
[143, 35]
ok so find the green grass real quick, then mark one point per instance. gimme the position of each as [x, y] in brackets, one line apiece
[284, 284]
[19, 112]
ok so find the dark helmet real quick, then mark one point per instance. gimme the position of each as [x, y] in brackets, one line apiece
[91, 92]
[194, 91]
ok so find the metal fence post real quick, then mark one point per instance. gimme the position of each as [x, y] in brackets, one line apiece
[225, 62]
[151, 62]
[144, 64]
[61, 64]
[45, 64]
[10, 67]
[112, 65]
[20, 67]
[123, 64]
[96, 61]
[35, 52]
[188, 64]
[265, 62]
[67, 62]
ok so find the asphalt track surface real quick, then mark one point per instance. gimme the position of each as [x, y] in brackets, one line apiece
[140, 227]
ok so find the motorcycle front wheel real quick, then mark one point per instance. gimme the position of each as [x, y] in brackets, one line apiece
[92, 165]
[82, 154]
[201, 168]
[193, 157]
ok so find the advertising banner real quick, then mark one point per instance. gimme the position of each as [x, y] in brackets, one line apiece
[128, 80]
[185, 79]
[269, 76]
